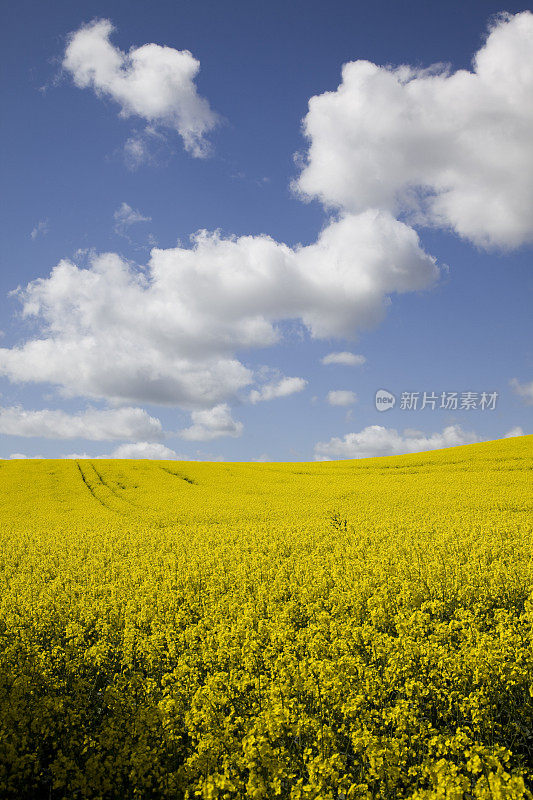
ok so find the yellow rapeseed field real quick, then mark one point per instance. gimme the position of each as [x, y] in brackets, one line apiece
[352, 629]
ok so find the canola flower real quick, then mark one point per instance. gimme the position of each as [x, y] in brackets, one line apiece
[356, 629]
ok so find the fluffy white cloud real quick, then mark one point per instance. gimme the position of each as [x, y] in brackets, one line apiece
[152, 82]
[212, 423]
[412, 432]
[345, 359]
[281, 388]
[144, 450]
[125, 216]
[524, 390]
[449, 148]
[516, 431]
[344, 279]
[341, 397]
[152, 450]
[92, 424]
[375, 440]
[168, 334]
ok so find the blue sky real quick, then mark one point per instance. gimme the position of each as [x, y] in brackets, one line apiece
[392, 221]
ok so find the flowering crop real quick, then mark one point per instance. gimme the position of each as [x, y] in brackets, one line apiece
[353, 629]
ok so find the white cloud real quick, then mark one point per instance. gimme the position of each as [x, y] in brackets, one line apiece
[341, 397]
[125, 216]
[145, 450]
[212, 423]
[152, 82]
[92, 424]
[281, 388]
[262, 459]
[344, 279]
[452, 149]
[524, 390]
[345, 359]
[168, 334]
[412, 433]
[152, 450]
[375, 440]
[516, 431]
[136, 152]
[202, 456]
[40, 229]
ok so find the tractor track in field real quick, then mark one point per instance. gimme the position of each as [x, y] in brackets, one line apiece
[91, 489]
[114, 491]
[180, 476]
